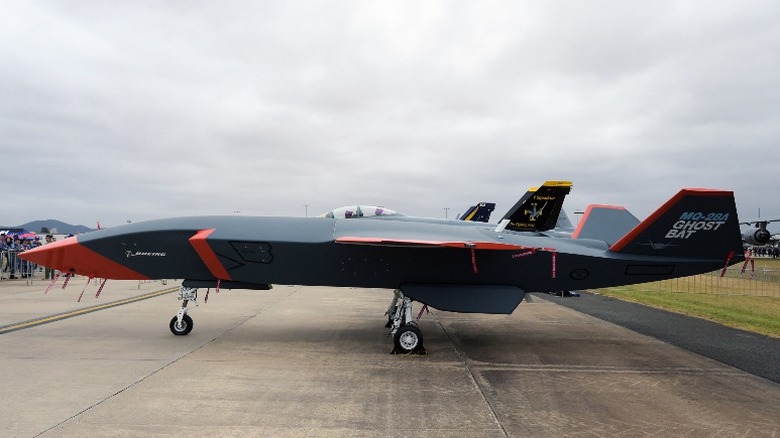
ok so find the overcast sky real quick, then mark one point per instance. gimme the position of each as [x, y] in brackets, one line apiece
[134, 110]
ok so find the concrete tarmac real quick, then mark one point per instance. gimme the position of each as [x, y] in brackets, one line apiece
[313, 361]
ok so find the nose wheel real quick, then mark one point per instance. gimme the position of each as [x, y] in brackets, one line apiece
[181, 328]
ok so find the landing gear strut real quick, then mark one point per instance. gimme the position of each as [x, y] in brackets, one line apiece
[407, 337]
[181, 324]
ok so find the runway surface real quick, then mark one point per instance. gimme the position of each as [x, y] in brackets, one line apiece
[752, 352]
[313, 361]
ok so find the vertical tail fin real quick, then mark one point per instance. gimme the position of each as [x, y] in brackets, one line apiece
[564, 224]
[695, 223]
[538, 209]
[478, 213]
[605, 222]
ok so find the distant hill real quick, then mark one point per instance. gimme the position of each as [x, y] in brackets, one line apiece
[55, 226]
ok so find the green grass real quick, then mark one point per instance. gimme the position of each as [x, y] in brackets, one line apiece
[736, 300]
[762, 263]
[755, 314]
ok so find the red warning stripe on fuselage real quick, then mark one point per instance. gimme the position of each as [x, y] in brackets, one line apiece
[209, 257]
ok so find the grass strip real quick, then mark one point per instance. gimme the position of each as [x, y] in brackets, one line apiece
[759, 314]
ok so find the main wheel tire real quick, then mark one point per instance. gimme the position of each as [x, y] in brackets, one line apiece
[181, 329]
[408, 339]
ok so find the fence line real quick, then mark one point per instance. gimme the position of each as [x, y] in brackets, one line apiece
[761, 283]
[13, 267]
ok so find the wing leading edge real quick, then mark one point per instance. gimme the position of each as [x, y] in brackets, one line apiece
[381, 241]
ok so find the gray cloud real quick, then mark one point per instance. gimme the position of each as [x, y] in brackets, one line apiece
[135, 110]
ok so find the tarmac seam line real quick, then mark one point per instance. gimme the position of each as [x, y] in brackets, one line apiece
[472, 377]
[144, 378]
[64, 315]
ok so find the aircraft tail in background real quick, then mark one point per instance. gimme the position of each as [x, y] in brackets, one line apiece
[538, 209]
[695, 223]
[478, 213]
[564, 224]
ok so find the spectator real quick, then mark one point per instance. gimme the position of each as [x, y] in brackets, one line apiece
[24, 267]
[10, 248]
[48, 272]
[4, 260]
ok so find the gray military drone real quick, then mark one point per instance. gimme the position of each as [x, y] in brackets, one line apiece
[451, 265]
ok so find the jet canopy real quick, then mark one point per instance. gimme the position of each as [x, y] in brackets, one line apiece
[358, 211]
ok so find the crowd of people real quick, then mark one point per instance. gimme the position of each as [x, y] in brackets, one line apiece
[766, 251]
[11, 245]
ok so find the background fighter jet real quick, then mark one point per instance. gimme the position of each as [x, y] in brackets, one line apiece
[538, 209]
[455, 266]
[760, 235]
[525, 214]
[478, 213]
[601, 222]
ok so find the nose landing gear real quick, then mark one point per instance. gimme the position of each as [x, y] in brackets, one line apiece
[181, 324]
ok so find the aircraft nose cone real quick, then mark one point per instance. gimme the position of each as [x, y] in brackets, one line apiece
[53, 254]
[69, 256]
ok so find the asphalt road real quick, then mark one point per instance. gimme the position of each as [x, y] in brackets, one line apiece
[751, 352]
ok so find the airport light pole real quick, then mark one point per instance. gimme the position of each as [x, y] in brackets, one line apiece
[446, 212]
[579, 214]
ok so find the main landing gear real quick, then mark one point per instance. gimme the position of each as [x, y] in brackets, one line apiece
[407, 337]
[181, 324]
